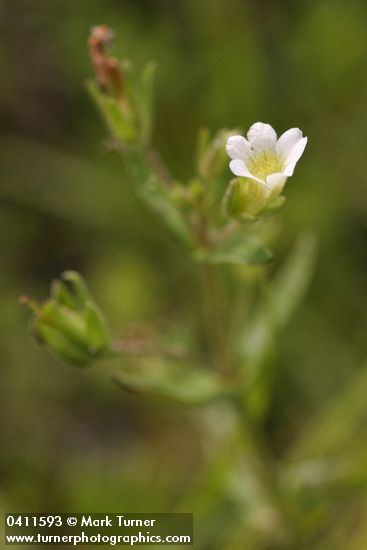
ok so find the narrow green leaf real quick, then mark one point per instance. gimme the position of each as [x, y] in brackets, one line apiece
[336, 427]
[239, 249]
[117, 121]
[293, 279]
[145, 98]
[157, 198]
[168, 381]
[282, 297]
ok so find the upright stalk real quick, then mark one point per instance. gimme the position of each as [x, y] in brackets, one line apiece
[216, 319]
[253, 443]
[262, 466]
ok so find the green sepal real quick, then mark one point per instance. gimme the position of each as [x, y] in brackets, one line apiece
[96, 327]
[63, 295]
[60, 344]
[276, 203]
[66, 321]
[78, 285]
[247, 199]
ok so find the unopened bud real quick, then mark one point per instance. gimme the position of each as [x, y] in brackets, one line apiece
[69, 323]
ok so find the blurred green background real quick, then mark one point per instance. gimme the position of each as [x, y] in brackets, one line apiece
[70, 440]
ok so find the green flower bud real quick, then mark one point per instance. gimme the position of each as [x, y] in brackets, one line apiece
[69, 323]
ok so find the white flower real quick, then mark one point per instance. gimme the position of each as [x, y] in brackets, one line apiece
[264, 158]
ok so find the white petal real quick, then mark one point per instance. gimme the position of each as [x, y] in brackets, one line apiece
[294, 156]
[262, 137]
[275, 183]
[287, 141]
[289, 169]
[279, 178]
[239, 168]
[238, 147]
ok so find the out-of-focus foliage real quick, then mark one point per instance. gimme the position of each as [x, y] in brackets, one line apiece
[73, 441]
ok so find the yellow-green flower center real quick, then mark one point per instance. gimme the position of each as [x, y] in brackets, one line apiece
[265, 163]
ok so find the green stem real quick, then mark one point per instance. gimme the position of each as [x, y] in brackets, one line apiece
[263, 468]
[215, 318]
[255, 447]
